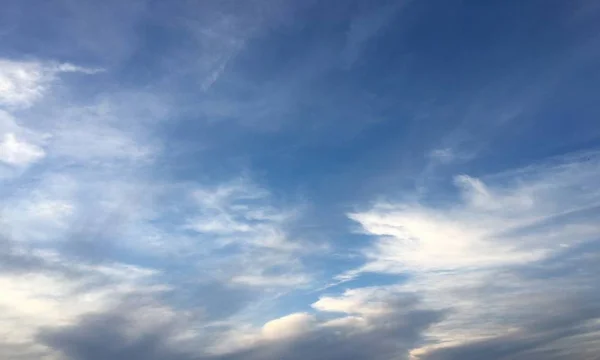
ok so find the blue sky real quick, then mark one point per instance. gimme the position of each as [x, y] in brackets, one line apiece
[279, 179]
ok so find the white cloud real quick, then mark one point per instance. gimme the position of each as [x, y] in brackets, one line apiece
[363, 302]
[288, 326]
[40, 298]
[262, 280]
[114, 127]
[459, 255]
[101, 206]
[448, 155]
[489, 227]
[241, 211]
[67, 67]
[24, 82]
[443, 155]
[242, 222]
[40, 212]
[55, 219]
[19, 146]
[97, 142]
[347, 323]
[242, 336]
[243, 218]
[361, 310]
[14, 151]
[87, 149]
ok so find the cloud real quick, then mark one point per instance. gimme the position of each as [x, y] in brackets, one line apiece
[96, 132]
[52, 290]
[260, 280]
[127, 230]
[63, 220]
[23, 140]
[490, 226]
[17, 152]
[444, 155]
[24, 82]
[71, 227]
[384, 337]
[366, 323]
[476, 255]
[241, 210]
[83, 147]
[368, 301]
[448, 155]
[67, 67]
[151, 331]
[292, 325]
[138, 329]
[244, 221]
[575, 338]
[70, 242]
[19, 146]
[544, 310]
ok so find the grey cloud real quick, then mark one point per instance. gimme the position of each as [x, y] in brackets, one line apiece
[104, 336]
[13, 261]
[546, 340]
[568, 327]
[20, 352]
[19, 260]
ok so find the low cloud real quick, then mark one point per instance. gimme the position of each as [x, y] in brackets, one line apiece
[119, 334]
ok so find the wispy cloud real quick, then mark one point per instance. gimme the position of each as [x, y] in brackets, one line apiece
[241, 218]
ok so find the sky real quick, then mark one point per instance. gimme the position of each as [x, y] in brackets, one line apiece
[299, 179]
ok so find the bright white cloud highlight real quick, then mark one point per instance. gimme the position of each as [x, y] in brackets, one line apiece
[19, 146]
[21, 83]
[24, 82]
[288, 326]
[363, 302]
[14, 151]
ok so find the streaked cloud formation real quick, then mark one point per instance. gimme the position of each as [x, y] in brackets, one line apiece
[299, 180]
